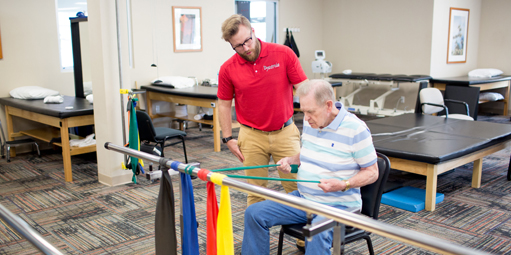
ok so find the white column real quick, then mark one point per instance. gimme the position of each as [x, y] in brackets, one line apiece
[105, 80]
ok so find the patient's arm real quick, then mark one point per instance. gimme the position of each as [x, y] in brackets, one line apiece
[366, 176]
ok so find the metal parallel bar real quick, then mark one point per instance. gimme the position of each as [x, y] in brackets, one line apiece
[27, 231]
[380, 228]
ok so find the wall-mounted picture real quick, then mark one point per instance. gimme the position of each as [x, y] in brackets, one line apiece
[1, 56]
[458, 35]
[187, 28]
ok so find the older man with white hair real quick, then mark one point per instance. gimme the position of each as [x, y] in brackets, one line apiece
[337, 150]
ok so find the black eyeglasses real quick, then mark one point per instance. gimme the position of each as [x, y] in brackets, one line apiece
[239, 47]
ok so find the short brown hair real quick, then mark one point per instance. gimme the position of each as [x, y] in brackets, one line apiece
[231, 25]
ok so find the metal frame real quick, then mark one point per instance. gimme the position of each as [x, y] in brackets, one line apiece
[27, 231]
[347, 218]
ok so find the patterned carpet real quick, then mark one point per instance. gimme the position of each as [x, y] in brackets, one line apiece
[86, 217]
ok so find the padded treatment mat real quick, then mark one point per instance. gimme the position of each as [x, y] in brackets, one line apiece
[196, 91]
[434, 139]
[80, 106]
[381, 77]
[408, 198]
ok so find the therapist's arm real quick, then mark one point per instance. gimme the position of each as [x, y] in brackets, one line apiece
[365, 177]
[224, 110]
[296, 86]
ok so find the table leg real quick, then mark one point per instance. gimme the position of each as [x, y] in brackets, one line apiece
[216, 129]
[66, 150]
[431, 184]
[10, 130]
[477, 172]
[506, 99]
[149, 105]
[509, 170]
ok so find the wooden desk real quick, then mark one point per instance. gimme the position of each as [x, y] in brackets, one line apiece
[430, 145]
[58, 120]
[197, 96]
[501, 82]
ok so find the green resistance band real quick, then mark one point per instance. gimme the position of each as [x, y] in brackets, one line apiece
[294, 168]
[268, 178]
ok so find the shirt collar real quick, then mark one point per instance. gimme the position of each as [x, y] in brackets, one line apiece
[262, 54]
[340, 116]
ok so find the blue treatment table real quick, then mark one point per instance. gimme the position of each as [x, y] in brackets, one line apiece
[57, 118]
[430, 145]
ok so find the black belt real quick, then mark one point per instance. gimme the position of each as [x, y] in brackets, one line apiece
[287, 123]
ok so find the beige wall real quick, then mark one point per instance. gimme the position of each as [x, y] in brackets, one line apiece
[495, 35]
[378, 36]
[439, 66]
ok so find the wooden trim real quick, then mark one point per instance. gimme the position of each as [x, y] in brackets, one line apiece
[33, 116]
[202, 102]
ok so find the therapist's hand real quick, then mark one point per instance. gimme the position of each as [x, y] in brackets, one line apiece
[235, 149]
[331, 185]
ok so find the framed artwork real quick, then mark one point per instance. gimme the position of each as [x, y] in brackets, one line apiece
[187, 28]
[1, 56]
[458, 35]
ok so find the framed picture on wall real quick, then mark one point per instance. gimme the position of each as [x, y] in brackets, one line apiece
[187, 28]
[458, 35]
[1, 56]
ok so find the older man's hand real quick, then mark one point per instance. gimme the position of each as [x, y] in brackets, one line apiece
[285, 165]
[331, 185]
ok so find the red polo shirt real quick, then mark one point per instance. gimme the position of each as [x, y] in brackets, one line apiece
[262, 90]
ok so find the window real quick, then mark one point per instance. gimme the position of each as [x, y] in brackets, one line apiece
[65, 10]
[263, 17]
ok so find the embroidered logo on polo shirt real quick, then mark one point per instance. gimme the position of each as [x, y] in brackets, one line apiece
[266, 68]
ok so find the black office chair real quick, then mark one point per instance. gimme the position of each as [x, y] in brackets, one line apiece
[468, 95]
[371, 198]
[159, 135]
[432, 101]
[5, 146]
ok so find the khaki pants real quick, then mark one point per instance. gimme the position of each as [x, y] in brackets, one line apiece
[257, 147]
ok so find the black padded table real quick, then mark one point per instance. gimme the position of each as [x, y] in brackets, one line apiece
[382, 77]
[57, 118]
[501, 82]
[422, 80]
[201, 96]
[430, 145]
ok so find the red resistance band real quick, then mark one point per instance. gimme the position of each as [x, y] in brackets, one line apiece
[203, 174]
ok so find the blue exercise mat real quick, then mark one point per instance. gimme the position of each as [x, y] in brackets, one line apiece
[408, 198]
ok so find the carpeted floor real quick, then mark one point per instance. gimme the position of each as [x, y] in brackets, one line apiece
[86, 217]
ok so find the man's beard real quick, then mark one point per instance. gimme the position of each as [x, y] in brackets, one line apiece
[255, 53]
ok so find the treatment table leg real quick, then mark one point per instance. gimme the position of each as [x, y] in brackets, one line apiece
[66, 150]
[10, 131]
[431, 182]
[477, 172]
[509, 170]
[216, 129]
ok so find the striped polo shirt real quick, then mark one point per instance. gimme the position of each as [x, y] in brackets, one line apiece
[337, 151]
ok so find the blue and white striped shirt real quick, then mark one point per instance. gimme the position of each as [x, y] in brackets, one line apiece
[337, 151]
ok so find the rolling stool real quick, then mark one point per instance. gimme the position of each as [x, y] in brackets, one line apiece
[6, 145]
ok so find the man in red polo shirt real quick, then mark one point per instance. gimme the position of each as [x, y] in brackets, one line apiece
[260, 77]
